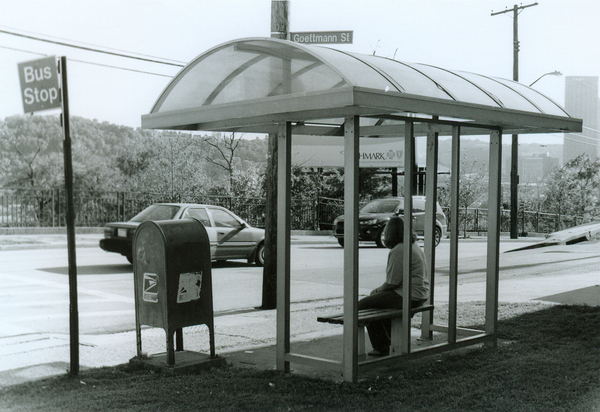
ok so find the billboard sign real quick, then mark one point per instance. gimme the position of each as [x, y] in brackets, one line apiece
[323, 37]
[328, 151]
[39, 84]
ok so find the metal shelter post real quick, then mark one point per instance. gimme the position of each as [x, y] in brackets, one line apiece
[284, 161]
[430, 217]
[493, 241]
[351, 178]
[454, 229]
[409, 185]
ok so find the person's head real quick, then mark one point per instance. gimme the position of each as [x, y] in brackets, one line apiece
[394, 232]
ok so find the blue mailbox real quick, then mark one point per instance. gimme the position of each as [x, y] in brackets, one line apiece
[172, 275]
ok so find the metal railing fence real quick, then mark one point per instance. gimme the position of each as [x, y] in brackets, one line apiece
[476, 220]
[31, 207]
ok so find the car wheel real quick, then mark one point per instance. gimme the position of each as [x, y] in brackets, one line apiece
[438, 236]
[379, 238]
[260, 255]
[341, 241]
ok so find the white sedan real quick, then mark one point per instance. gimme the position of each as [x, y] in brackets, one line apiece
[230, 236]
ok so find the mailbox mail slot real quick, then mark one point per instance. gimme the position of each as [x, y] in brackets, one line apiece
[172, 275]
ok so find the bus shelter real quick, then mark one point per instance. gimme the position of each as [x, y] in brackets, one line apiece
[266, 85]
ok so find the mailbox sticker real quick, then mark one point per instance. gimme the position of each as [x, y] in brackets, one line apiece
[150, 287]
[190, 285]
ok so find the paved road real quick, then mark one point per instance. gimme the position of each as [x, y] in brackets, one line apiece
[34, 298]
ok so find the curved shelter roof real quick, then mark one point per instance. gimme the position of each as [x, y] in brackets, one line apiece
[253, 84]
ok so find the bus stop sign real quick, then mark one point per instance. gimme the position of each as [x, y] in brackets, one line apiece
[39, 84]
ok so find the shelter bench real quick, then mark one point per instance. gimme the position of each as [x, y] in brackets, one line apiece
[365, 316]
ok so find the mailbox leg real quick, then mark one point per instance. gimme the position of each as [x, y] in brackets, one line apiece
[138, 338]
[170, 349]
[211, 337]
[179, 340]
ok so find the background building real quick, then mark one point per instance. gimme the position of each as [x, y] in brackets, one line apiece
[581, 101]
[533, 169]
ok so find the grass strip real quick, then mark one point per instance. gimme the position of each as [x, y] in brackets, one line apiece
[548, 360]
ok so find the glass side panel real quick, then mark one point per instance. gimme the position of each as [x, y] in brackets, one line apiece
[246, 70]
[355, 70]
[406, 76]
[462, 90]
[546, 105]
[509, 98]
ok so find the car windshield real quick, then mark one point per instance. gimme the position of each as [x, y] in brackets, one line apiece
[156, 212]
[382, 206]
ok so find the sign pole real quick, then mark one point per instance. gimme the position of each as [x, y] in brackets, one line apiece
[73, 307]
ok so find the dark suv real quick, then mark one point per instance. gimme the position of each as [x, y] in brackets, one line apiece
[373, 217]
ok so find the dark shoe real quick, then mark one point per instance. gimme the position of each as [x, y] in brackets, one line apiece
[376, 352]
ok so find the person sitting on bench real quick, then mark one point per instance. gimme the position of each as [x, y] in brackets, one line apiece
[389, 295]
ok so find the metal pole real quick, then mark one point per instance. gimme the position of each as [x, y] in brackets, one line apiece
[493, 241]
[409, 187]
[284, 160]
[74, 311]
[454, 211]
[430, 213]
[351, 178]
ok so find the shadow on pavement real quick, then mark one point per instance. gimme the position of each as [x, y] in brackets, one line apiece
[93, 269]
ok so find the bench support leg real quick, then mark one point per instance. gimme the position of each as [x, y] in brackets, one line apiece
[361, 340]
[396, 337]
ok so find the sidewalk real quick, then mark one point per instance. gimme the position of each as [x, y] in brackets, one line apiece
[246, 337]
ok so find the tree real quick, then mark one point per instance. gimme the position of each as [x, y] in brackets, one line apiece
[29, 145]
[308, 182]
[471, 189]
[223, 153]
[574, 188]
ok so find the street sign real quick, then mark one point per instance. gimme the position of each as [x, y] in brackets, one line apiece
[323, 37]
[39, 84]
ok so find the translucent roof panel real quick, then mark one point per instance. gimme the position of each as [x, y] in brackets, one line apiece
[544, 104]
[408, 79]
[253, 83]
[458, 87]
[507, 96]
[247, 70]
[354, 70]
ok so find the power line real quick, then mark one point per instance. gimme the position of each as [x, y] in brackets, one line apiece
[593, 130]
[61, 43]
[594, 142]
[121, 68]
[24, 51]
[90, 44]
[92, 63]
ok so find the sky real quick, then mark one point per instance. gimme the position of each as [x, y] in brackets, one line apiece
[454, 34]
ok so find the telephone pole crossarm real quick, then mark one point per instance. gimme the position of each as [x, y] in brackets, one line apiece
[513, 9]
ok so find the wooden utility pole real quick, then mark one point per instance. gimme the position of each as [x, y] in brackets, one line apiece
[514, 154]
[279, 30]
